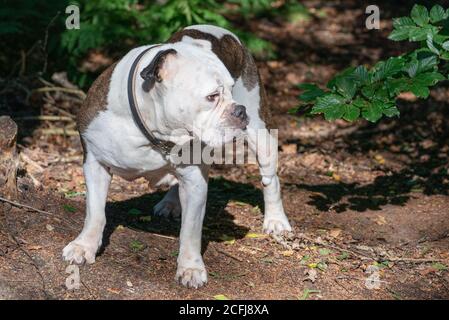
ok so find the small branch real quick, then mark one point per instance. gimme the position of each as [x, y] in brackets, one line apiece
[46, 118]
[59, 131]
[61, 89]
[230, 255]
[20, 205]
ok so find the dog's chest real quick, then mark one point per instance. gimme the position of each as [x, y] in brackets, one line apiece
[118, 144]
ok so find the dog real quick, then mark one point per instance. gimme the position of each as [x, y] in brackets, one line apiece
[202, 82]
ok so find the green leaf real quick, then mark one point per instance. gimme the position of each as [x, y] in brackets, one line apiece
[437, 14]
[327, 101]
[384, 69]
[419, 90]
[417, 34]
[361, 75]
[351, 112]
[429, 78]
[69, 208]
[221, 297]
[373, 112]
[331, 105]
[400, 34]
[445, 45]
[430, 45]
[311, 92]
[391, 111]
[396, 86]
[347, 86]
[420, 15]
[403, 22]
[134, 212]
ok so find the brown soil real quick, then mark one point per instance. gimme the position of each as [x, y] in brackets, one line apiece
[357, 194]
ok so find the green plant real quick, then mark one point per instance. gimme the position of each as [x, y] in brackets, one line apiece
[111, 27]
[371, 93]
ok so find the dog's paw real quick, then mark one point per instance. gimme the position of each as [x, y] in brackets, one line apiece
[191, 277]
[167, 207]
[78, 253]
[276, 225]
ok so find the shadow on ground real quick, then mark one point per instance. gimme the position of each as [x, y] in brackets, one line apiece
[419, 139]
[218, 221]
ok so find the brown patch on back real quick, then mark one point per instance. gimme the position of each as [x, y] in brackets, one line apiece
[95, 102]
[96, 99]
[237, 59]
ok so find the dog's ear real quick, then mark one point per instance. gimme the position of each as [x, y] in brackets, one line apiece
[151, 73]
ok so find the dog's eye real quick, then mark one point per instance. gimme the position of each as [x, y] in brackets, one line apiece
[212, 97]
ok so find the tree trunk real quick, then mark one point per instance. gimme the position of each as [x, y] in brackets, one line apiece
[9, 160]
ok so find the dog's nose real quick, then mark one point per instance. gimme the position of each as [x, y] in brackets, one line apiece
[239, 112]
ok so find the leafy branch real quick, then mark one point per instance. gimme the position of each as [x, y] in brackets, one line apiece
[371, 93]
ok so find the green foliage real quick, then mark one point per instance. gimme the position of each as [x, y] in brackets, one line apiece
[113, 27]
[371, 93]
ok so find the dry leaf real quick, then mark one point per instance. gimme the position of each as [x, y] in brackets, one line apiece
[291, 148]
[379, 159]
[312, 274]
[253, 235]
[380, 220]
[114, 290]
[287, 253]
[335, 233]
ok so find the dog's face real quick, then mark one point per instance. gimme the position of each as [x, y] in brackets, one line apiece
[195, 89]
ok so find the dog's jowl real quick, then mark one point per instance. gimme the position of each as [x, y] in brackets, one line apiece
[202, 84]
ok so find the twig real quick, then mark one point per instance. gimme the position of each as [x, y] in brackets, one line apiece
[31, 162]
[61, 89]
[161, 236]
[46, 118]
[413, 260]
[33, 263]
[21, 205]
[59, 131]
[230, 255]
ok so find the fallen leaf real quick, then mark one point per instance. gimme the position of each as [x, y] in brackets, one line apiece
[287, 253]
[221, 297]
[114, 290]
[312, 274]
[380, 220]
[253, 235]
[34, 247]
[379, 159]
[50, 227]
[291, 148]
[335, 233]
[227, 239]
[336, 177]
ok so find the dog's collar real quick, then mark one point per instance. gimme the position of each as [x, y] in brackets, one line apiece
[163, 147]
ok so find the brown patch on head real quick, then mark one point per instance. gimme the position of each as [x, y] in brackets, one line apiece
[237, 59]
[227, 49]
[95, 102]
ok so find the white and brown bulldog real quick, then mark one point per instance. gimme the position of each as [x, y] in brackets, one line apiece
[201, 83]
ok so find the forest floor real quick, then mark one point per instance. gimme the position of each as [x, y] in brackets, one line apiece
[365, 200]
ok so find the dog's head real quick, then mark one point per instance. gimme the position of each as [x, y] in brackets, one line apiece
[194, 93]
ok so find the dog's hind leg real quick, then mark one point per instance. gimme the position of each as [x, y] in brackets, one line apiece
[169, 205]
[85, 246]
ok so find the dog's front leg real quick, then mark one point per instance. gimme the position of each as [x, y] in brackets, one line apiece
[85, 246]
[193, 195]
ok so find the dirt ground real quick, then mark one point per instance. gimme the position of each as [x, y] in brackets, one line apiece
[365, 200]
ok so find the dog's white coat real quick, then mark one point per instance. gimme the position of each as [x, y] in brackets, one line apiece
[115, 145]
